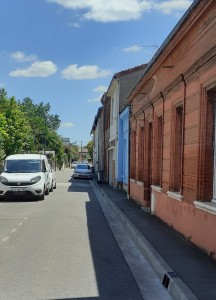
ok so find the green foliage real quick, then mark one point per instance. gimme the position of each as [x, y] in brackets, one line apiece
[42, 122]
[89, 146]
[28, 127]
[15, 130]
[74, 150]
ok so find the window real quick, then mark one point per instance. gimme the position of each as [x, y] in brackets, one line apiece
[214, 143]
[133, 155]
[158, 152]
[206, 191]
[112, 112]
[140, 154]
[23, 166]
[177, 150]
[150, 154]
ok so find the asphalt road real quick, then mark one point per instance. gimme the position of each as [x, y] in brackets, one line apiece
[61, 248]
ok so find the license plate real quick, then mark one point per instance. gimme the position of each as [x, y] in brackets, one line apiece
[18, 189]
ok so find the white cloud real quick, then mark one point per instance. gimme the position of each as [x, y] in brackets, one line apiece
[134, 48]
[169, 7]
[100, 89]
[22, 57]
[112, 10]
[67, 125]
[95, 100]
[84, 72]
[37, 69]
[75, 25]
[3, 53]
[2, 85]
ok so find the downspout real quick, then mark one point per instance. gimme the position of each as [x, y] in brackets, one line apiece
[129, 148]
[104, 147]
[117, 134]
[183, 133]
[143, 144]
[162, 96]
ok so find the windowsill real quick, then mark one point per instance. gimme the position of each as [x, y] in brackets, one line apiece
[206, 206]
[140, 183]
[156, 188]
[132, 180]
[175, 195]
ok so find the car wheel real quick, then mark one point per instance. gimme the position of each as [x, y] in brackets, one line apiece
[47, 191]
[51, 189]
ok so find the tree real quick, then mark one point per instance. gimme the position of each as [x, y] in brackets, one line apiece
[74, 149]
[89, 146]
[43, 124]
[3, 133]
[15, 129]
[56, 144]
[28, 127]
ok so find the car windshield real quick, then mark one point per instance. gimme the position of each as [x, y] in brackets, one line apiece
[83, 167]
[22, 166]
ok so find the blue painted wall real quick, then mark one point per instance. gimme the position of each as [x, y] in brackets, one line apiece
[123, 146]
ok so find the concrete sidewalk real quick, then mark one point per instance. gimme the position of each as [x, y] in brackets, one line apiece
[184, 270]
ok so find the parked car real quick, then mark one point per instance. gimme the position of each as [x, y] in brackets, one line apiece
[52, 179]
[74, 164]
[83, 161]
[83, 171]
[25, 174]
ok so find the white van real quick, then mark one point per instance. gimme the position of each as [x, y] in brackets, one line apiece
[25, 174]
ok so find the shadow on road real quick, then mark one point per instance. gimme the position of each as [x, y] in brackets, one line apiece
[114, 278]
[19, 199]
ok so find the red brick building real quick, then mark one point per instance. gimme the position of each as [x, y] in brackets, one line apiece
[173, 152]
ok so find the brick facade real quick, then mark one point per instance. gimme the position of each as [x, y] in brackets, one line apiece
[173, 117]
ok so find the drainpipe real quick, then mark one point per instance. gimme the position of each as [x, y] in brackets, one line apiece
[143, 142]
[129, 147]
[183, 132]
[162, 97]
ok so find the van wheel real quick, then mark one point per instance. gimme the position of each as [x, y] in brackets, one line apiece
[41, 197]
[2, 198]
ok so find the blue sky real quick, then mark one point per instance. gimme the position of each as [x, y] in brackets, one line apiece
[65, 52]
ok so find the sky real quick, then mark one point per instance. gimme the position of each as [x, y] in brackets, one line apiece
[65, 52]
